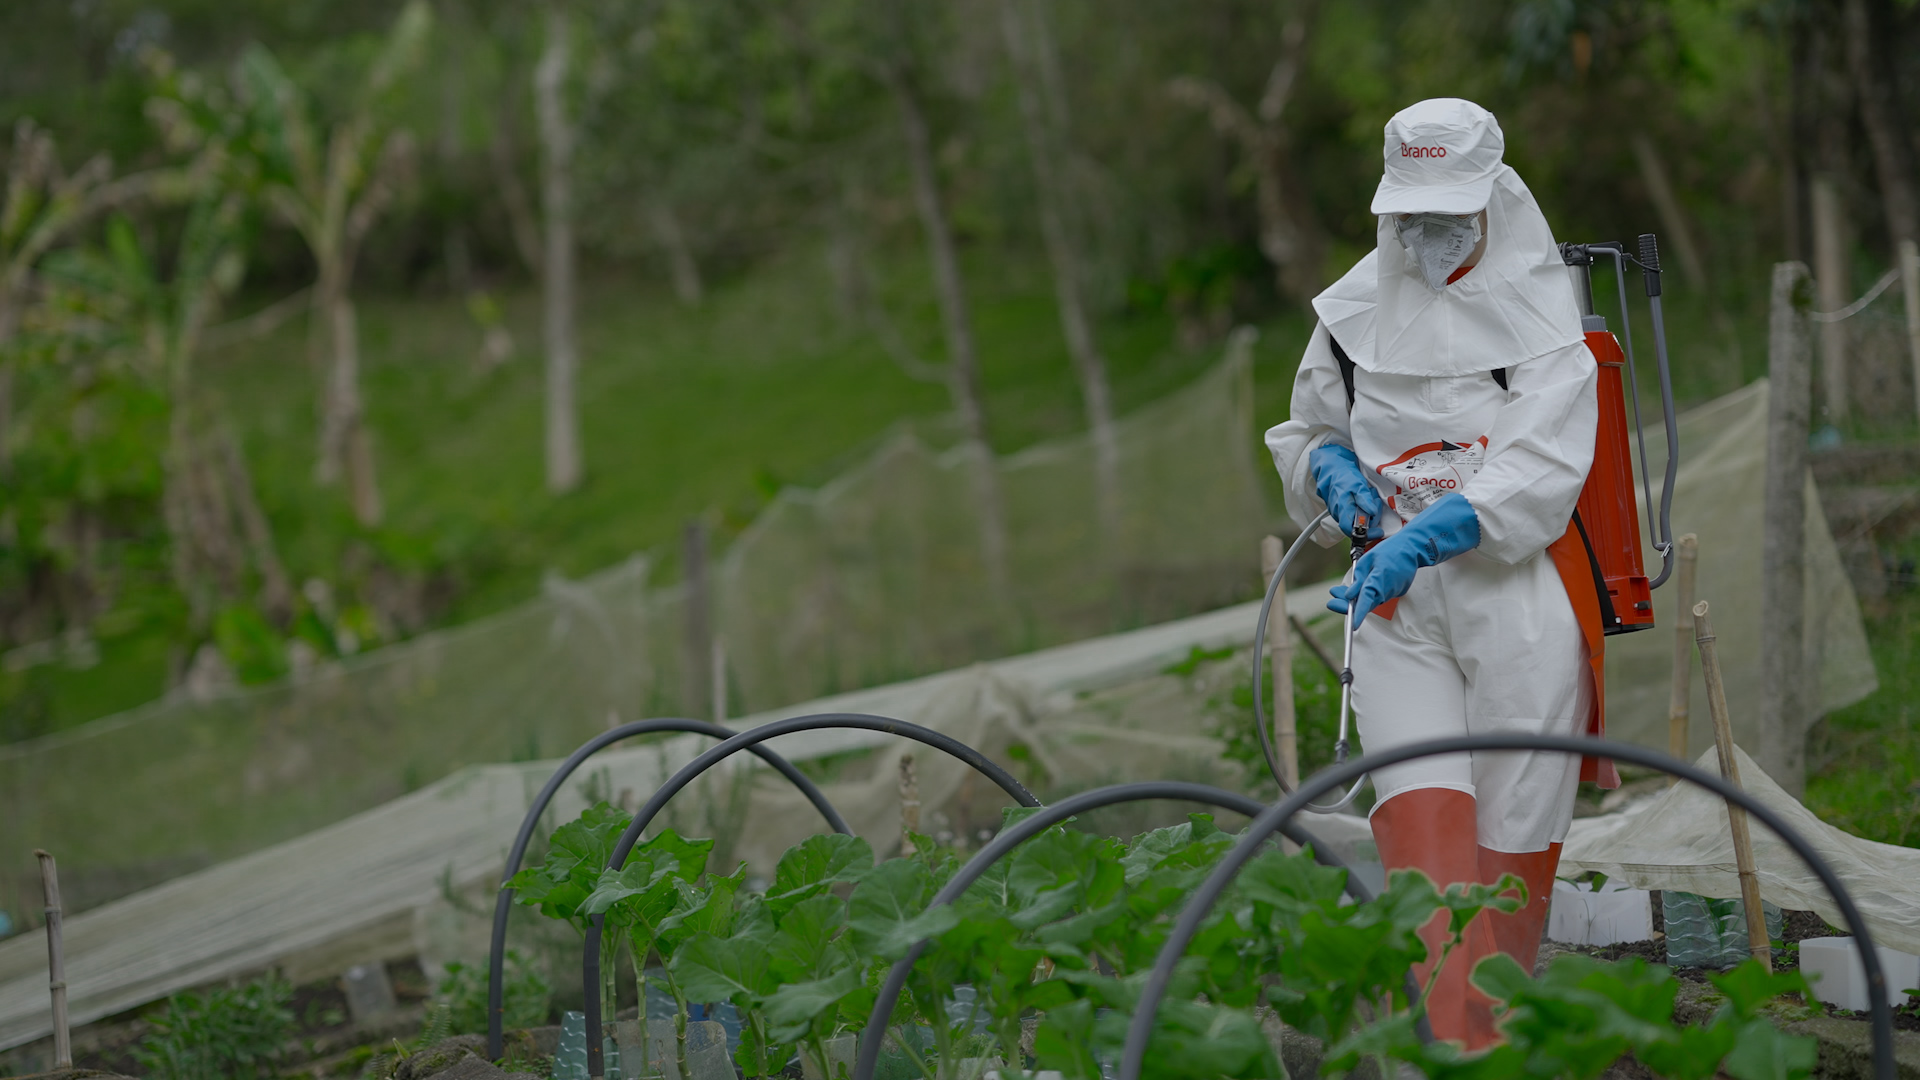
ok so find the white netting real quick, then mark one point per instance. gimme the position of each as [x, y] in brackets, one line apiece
[1718, 496]
[876, 578]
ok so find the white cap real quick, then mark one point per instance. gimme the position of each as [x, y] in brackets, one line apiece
[1442, 157]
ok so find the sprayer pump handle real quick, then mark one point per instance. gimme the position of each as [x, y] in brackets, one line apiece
[1650, 262]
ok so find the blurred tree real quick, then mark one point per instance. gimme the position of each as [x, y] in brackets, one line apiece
[1290, 236]
[557, 258]
[1043, 120]
[269, 145]
[896, 62]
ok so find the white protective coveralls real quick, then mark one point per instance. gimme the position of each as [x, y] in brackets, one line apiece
[1487, 642]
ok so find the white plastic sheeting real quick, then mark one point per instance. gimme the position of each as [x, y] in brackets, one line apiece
[1680, 840]
[430, 853]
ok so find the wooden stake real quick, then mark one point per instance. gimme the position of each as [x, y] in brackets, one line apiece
[909, 803]
[1830, 282]
[1730, 769]
[56, 963]
[1678, 705]
[717, 668]
[1280, 662]
[1780, 738]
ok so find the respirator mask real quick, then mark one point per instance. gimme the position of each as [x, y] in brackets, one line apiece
[1439, 243]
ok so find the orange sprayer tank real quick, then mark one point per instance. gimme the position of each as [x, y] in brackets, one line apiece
[1608, 513]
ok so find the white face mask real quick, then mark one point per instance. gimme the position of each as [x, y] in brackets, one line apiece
[1439, 243]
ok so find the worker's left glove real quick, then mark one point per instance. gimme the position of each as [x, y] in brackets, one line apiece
[1447, 528]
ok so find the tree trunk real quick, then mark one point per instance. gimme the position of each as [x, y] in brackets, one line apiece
[1653, 173]
[1880, 115]
[1831, 286]
[1290, 237]
[346, 448]
[963, 366]
[556, 183]
[1045, 150]
[521, 222]
[1784, 697]
[673, 242]
[276, 591]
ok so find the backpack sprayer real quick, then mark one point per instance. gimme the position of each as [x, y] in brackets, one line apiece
[1606, 515]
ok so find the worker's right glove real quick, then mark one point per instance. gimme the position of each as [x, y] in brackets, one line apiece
[1447, 528]
[1344, 488]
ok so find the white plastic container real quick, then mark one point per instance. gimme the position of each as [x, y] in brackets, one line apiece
[1842, 981]
[1617, 912]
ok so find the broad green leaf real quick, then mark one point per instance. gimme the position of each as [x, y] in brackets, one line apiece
[1064, 1041]
[792, 1009]
[804, 946]
[636, 879]
[588, 839]
[732, 969]
[888, 910]
[1764, 1052]
[1749, 986]
[701, 910]
[815, 863]
[688, 857]
[1501, 977]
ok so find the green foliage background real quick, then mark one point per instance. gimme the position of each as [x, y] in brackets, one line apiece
[764, 129]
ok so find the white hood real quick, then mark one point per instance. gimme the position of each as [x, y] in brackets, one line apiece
[1517, 304]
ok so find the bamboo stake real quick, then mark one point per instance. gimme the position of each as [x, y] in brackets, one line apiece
[1730, 769]
[1280, 658]
[1678, 704]
[56, 963]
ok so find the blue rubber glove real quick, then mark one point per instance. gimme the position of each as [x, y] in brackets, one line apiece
[1447, 528]
[1344, 488]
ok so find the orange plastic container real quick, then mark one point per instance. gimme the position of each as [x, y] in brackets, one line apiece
[1607, 509]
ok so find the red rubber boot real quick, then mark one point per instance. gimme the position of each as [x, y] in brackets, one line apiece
[1433, 830]
[1518, 934]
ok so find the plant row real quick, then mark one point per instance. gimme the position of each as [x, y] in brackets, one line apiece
[1056, 940]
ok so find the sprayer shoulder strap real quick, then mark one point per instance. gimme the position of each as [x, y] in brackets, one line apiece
[1346, 363]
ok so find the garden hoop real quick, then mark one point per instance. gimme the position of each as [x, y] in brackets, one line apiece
[1026, 829]
[503, 904]
[1140, 1028]
[747, 740]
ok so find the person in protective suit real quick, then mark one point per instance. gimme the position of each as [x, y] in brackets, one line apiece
[1447, 395]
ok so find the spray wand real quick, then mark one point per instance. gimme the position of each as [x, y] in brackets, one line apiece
[1358, 549]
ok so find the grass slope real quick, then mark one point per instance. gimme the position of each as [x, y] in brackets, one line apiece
[686, 412]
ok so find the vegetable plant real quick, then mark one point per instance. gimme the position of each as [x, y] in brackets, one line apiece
[1063, 932]
[226, 1033]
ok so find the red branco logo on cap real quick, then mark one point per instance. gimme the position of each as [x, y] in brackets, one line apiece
[1422, 151]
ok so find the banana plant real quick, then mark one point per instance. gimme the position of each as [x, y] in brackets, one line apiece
[330, 184]
[117, 305]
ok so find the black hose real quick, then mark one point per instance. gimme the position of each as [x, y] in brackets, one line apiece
[503, 904]
[1033, 825]
[1140, 1029]
[746, 740]
[1260, 649]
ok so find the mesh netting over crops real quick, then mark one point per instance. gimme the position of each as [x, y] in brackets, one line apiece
[308, 781]
[876, 577]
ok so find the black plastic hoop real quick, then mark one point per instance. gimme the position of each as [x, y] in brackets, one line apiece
[1140, 1028]
[503, 904]
[747, 740]
[896, 980]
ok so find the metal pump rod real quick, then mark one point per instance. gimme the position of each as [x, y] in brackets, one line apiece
[1346, 658]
